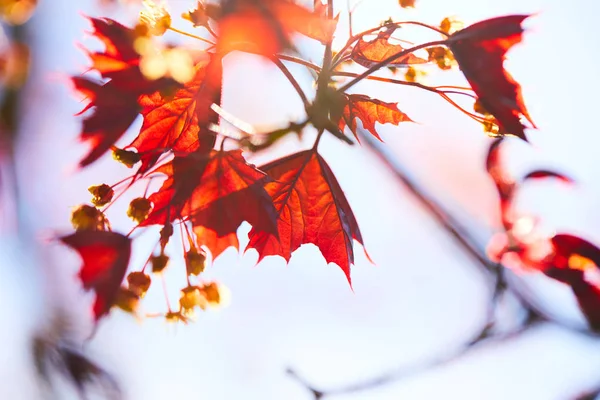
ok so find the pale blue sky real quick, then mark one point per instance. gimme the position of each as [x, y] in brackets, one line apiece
[423, 297]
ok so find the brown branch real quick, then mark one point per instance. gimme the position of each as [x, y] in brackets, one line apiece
[404, 372]
[476, 250]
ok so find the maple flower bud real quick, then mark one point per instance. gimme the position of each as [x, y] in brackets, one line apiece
[139, 209]
[159, 262]
[197, 16]
[165, 234]
[195, 262]
[126, 157]
[103, 194]
[215, 294]
[491, 127]
[479, 109]
[127, 300]
[413, 75]
[155, 17]
[190, 298]
[86, 217]
[450, 25]
[139, 283]
[176, 316]
[442, 56]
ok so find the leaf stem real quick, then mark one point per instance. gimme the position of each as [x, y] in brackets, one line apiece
[191, 35]
[300, 61]
[358, 36]
[434, 89]
[317, 140]
[387, 61]
[292, 80]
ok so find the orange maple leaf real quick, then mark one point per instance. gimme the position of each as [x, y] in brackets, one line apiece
[311, 208]
[264, 26]
[373, 52]
[180, 122]
[216, 192]
[369, 111]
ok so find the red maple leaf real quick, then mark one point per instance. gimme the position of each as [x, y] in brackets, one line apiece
[311, 208]
[369, 111]
[113, 105]
[119, 53]
[105, 257]
[480, 51]
[576, 262]
[264, 26]
[113, 113]
[216, 192]
[373, 52]
[180, 122]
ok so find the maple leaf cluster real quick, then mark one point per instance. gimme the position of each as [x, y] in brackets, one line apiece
[566, 258]
[209, 188]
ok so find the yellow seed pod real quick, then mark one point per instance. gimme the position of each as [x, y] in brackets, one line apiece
[191, 298]
[197, 16]
[127, 300]
[413, 75]
[86, 217]
[442, 56]
[126, 157]
[159, 262]
[216, 295]
[139, 283]
[479, 109]
[155, 17]
[450, 25]
[195, 262]
[103, 194]
[165, 234]
[176, 316]
[139, 209]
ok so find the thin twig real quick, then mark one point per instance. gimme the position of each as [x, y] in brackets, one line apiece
[407, 372]
[300, 61]
[191, 35]
[292, 80]
[388, 61]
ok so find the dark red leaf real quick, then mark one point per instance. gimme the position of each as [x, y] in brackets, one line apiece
[480, 51]
[119, 53]
[113, 113]
[105, 256]
[311, 208]
[543, 174]
[216, 192]
[576, 262]
[114, 104]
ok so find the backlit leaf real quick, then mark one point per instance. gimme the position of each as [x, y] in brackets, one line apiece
[180, 122]
[216, 192]
[370, 53]
[264, 26]
[105, 256]
[113, 105]
[369, 111]
[480, 51]
[311, 208]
